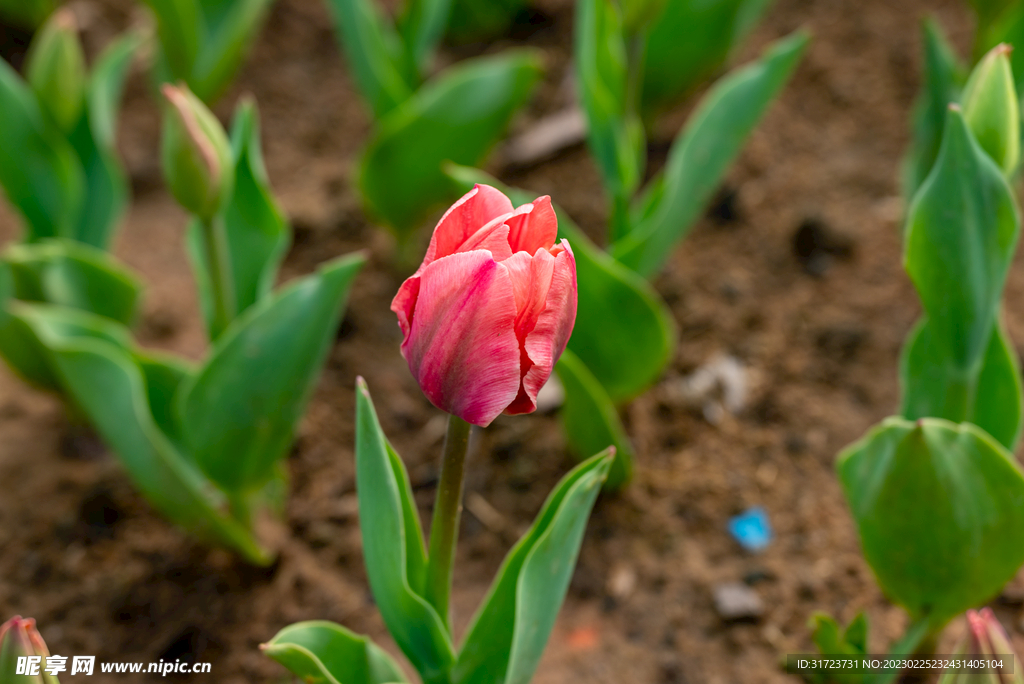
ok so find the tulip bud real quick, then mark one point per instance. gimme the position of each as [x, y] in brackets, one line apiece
[985, 638]
[20, 639]
[55, 68]
[991, 108]
[195, 153]
[491, 308]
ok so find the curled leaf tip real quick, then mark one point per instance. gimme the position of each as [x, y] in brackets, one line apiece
[1003, 49]
[955, 107]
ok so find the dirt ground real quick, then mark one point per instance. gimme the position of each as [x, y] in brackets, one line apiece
[798, 276]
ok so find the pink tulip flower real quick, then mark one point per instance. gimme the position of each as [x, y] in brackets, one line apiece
[491, 308]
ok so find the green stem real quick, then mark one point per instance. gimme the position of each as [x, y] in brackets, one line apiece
[444, 527]
[218, 261]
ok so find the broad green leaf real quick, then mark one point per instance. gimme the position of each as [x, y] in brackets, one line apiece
[163, 375]
[944, 76]
[961, 233]
[39, 172]
[689, 41]
[181, 29]
[393, 547]
[321, 652]
[615, 133]
[940, 512]
[227, 41]
[101, 376]
[72, 274]
[991, 399]
[422, 26]
[705, 149]
[508, 634]
[106, 185]
[375, 54]
[239, 413]
[256, 228]
[477, 20]
[457, 117]
[19, 346]
[590, 420]
[25, 13]
[618, 311]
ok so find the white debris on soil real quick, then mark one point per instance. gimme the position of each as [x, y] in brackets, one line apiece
[721, 385]
[621, 581]
[737, 601]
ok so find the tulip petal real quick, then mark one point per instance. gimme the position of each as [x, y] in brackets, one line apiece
[464, 219]
[533, 226]
[545, 290]
[461, 347]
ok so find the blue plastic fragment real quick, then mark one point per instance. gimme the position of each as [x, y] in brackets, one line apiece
[751, 529]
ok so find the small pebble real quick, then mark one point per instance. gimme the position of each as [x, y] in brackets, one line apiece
[736, 601]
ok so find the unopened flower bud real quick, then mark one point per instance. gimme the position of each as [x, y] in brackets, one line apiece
[23, 653]
[991, 108]
[985, 642]
[55, 69]
[196, 155]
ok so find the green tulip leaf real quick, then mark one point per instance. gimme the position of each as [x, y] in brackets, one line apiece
[618, 310]
[106, 185]
[98, 370]
[230, 33]
[164, 375]
[19, 346]
[457, 117]
[39, 171]
[239, 413]
[961, 233]
[478, 20]
[615, 132]
[422, 26]
[940, 512]
[181, 29]
[507, 636]
[393, 547]
[375, 54]
[73, 274]
[704, 150]
[590, 420]
[689, 41]
[992, 401]
[321, 652]
[944, 76]
[255, 226]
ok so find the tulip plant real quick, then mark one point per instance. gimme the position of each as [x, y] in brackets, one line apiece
[1000, 22]
[484, 319]
[936, 493]
[203, 42]
[19, 638]
[60, 171]
[457, 115]
[205, 443]
[625, 334]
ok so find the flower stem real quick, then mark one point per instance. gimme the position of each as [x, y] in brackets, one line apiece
[444, 528]
[218, 260]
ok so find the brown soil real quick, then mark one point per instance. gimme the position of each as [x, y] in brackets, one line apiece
[85, 555]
